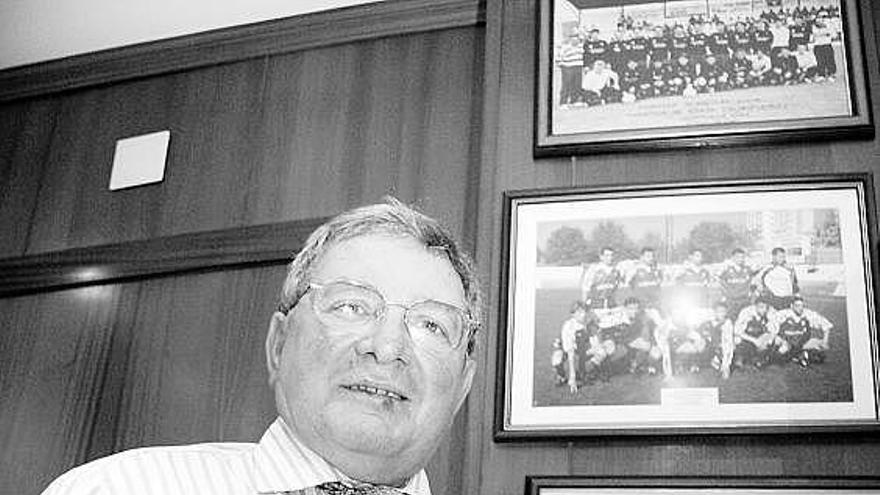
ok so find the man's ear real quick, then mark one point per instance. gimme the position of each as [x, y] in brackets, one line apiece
[275, 344]
[470, 368]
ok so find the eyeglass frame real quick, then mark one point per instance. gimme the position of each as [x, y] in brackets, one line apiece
[470, 325]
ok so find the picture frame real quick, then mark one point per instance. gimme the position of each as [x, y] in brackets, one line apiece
[696, 485]
[636, 343]
[660, 101]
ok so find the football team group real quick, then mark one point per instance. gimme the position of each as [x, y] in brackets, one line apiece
[635, 317]
[640, 60]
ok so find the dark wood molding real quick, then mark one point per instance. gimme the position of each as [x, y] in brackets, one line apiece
[375, 20]
[201, 251]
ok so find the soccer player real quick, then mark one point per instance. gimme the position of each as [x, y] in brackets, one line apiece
[575, 323]
[761, 67]
[807, 64]
[660, 75]
[600, 85]
[799, 33]
[716, 336]
[755, 333]
[658, 45]
[740, 66]
[784, 71]
[713, 75]
[826, 67]
[736, 282]
[804, 334]
[679, 43]
[595, 49]
[707, 344]
[777, 282]
[599, 281]
[762, 38]
[629, 336]
[781, 34]
[719, 43]
[571, 64]
[684, 72]
[644, 278]
[741, 39]
[693, 281]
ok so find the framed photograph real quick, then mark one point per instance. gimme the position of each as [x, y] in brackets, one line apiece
[615, 75]
[723, 307]
[681, 485]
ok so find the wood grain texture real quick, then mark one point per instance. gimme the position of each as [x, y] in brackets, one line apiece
[211, 250]
[25, 139]
[508, 165]
[54, 347]
[287, 138]
[221, 46]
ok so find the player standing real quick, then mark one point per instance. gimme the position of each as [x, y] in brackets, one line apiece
[599, 281]
[777, 283]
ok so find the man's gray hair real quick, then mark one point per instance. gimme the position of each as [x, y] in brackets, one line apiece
[392, 218]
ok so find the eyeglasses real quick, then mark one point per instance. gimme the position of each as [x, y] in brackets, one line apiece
[354, 305]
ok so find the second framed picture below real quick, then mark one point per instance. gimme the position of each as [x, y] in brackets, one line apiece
[684, 485]
[619, 75]
[721, 307]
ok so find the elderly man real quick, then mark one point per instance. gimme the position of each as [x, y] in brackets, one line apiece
[369, 357]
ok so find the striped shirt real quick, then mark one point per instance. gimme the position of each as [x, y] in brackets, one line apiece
[279, 463]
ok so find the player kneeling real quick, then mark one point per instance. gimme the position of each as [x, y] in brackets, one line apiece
[803, 333]
[755, 335]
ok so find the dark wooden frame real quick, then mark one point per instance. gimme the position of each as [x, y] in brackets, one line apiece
[733, 485]
[257, 245]
[504, 430]
[858, 125]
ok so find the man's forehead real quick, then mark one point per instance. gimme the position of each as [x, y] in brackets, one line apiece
[399, 266]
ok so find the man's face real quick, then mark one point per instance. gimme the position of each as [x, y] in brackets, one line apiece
[739, 259]
[648, 257]
[797, 307]
[697, 257]
[366, 399]
[779, 257]
[607, 256]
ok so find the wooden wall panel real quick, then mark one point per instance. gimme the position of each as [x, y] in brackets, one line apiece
[283, 138]
[54, 349]
[492, 468]
[195, 369]
[356, 122]
[25, 134]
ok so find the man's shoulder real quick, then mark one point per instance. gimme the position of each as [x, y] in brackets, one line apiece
[148, 466]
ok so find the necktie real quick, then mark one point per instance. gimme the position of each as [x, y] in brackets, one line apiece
[343, 488]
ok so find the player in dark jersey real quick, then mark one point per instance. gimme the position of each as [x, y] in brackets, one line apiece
[599, 281]
[594, 49]
[684, 72]
[804, 334]
[692, 281]
[660, 74]
[800, 33]
[659, 46]
[741, 39]
[636, 48]
[698, 42]
[631, 80]
[679, 43]
[628, 335]
[740, 66]
[762, 38]
[715, 347]
[713, 76]
[755, 334]
[736, 282]
[719, 43]
[784, 70]
[644, 279]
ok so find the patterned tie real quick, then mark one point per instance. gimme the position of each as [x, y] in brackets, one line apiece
[343, 488]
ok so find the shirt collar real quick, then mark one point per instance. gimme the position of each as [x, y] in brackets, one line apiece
[283, 463]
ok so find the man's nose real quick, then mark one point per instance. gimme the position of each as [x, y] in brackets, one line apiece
[389, 339]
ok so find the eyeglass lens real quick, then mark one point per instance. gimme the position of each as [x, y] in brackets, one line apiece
[347, 304]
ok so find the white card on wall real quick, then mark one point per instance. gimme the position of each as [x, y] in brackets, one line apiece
[139, 160]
